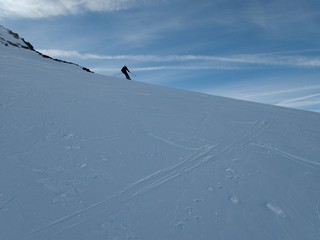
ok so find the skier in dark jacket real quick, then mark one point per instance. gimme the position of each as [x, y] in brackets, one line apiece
[125, 71]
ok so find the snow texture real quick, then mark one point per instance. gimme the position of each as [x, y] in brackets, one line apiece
[85, 156]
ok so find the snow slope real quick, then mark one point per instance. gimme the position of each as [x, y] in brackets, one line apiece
[89, 157]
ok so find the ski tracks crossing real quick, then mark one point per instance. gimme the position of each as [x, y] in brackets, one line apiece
[114, 203]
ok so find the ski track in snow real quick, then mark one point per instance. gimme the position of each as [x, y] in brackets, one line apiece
[115, 202]
[300, 160]
[172, 143]
[7, 202]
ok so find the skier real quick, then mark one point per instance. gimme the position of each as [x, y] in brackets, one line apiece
[125, 71]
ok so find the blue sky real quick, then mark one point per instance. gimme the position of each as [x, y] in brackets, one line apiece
[257, 50]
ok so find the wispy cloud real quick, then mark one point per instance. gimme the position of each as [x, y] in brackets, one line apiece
[48, 8]
[280, 15]
[273, 93]
[292, 94]
[201, 61]
[311, 101]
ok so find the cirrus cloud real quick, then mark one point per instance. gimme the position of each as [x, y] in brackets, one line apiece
[233, 61]
[49, 8]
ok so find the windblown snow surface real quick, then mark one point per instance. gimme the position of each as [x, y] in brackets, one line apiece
[90, 157]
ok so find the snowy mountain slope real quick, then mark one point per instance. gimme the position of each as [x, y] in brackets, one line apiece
[9, 38]
[85, 156]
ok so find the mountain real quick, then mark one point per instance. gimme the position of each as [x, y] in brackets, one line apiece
[7, 38]
[91, 157]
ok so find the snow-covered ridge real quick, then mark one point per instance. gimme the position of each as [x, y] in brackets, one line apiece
[7, 37]
[10, 38]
